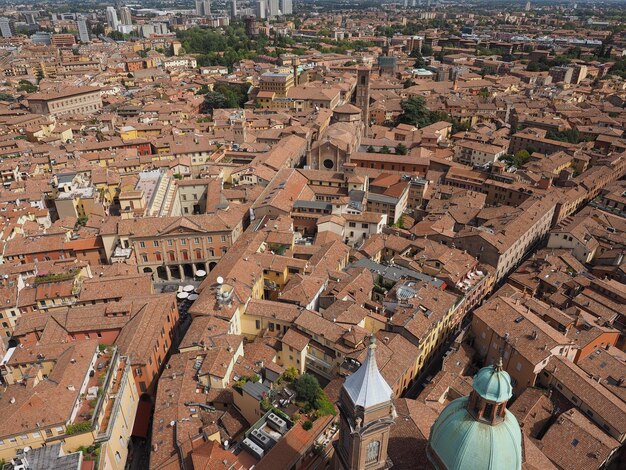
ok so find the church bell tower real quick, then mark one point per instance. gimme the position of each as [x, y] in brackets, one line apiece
[362, 97]
[367, 413]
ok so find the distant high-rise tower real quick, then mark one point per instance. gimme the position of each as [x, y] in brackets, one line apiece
[261, 10]
[366, 416]
[233, 9]
[362, 98]
[272, 8]
[5, 27]
[286, 7]
[203, 7]
[83, 30]
[125, 16]
[30, 17]
[112, 18]
[527, 8]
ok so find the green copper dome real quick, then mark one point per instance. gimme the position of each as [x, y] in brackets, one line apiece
[487, 437]
[460, 442]
[493, 384]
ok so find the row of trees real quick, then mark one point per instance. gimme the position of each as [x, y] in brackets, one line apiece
[570, 135]
[399, 149]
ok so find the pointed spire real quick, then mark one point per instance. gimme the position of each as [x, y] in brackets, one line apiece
[498, 366]
[367, 387]
[372, 345]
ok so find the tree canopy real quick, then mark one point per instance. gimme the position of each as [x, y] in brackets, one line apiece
[570, 135]
[26, 86]
[221, 47]
[401, 149]
[307, 387]
[519, 159]
[225, 96]
[415, 112]
[420, 63]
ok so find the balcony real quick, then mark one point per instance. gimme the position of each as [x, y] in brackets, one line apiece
[319, 365]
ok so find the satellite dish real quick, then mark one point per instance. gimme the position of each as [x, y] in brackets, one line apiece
[220, 280]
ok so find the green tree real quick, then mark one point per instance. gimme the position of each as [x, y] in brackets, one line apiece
[370, 149]
[570, 135]
[213, 100]
[308, 388]
[203, 90]
[384, 149]
[420, 63]
[265, 405]
[77, 428]
[97, 29]
[26, 86]
[399, 223]
[408, 83]
[290, 375]
[323, 405]
[323, 32]
[619, 68]
[532, 67]
[401, 149]
[116, 36]
[415, 112]
[519, 159]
